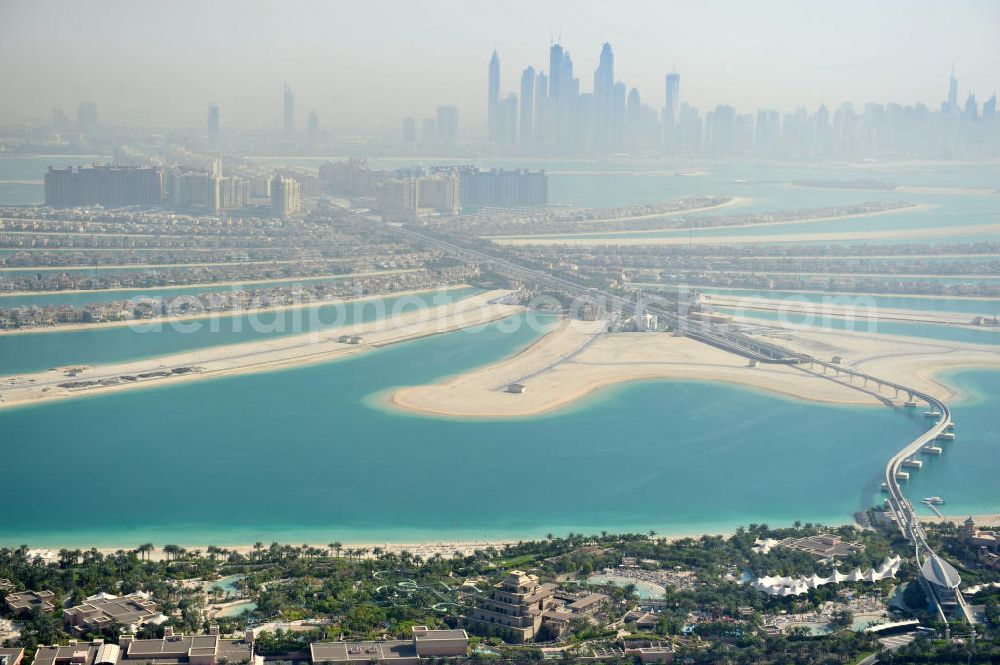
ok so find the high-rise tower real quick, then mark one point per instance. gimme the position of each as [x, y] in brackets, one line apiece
[527, 126]
[953, 92]
[671, 111]
[604, 83]
[289, 110]
[214, 126]
[493, 111]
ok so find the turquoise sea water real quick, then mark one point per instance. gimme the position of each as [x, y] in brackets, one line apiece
[22, 177]
[966, 475]
[34, 352]
[311, 453]
[949, 211]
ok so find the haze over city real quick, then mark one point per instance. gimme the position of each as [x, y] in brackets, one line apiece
[362, 66]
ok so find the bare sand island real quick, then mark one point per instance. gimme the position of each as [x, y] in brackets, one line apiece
[306, 348]
[828, 236]
[579, 358]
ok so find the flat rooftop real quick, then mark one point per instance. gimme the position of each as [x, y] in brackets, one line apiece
[446, 634]
[362, 651]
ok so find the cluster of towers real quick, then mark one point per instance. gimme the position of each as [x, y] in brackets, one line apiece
[552, 111]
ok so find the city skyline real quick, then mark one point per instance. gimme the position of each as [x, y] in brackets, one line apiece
[363, 82]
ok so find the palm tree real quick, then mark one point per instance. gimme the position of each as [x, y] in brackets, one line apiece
[144, 550]
[172, 551]
[336, 546]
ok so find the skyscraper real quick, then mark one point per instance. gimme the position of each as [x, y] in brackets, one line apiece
[284, 196]
[493, 111]
[527, 128]
[312, 129]
[86, 118]
[604, 83]
[541, 115]
[953, 92]
[563, 93]
[214, 126]
[671, 111]
[409, 130]
[508, 120]
[446, 123]
[289, 110]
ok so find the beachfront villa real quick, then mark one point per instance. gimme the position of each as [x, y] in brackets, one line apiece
[23, 604]
[104, 609]
[514, 606]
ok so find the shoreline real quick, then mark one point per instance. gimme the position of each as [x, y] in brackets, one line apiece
[734, 201]
[912, 207]
[444, 546]
[786, 239]
[223, 314]
[849, 311]
[711, 289]
[849, 294]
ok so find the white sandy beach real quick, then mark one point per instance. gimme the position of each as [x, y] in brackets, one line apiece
[259, 356]
[446, 548]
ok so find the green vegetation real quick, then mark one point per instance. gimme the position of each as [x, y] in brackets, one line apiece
[356, 593]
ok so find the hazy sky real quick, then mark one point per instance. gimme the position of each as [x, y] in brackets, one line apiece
[366, 63]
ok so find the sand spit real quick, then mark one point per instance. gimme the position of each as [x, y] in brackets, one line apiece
[858, 308]
[579, 358]
[783, 239]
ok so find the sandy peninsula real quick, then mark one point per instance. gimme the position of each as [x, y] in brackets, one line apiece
[579, 358]
[783, 239]
[268, 354]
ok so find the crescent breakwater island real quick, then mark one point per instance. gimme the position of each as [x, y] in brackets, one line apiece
[579, 358]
